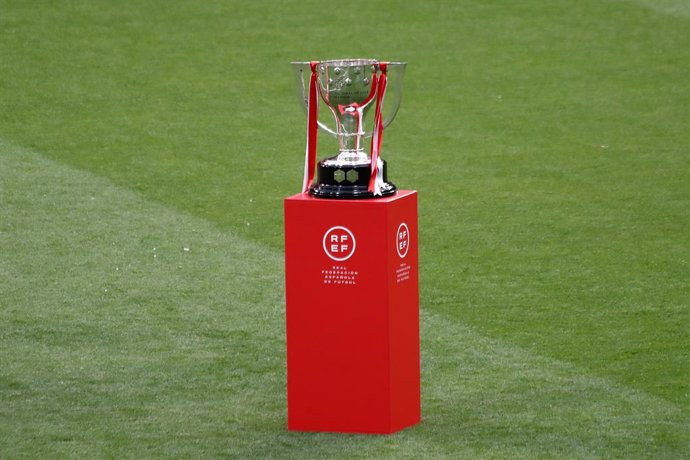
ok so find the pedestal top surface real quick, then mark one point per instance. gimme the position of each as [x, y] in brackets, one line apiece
[306, 197]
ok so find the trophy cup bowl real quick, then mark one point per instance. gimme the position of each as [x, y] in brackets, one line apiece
[349, 89]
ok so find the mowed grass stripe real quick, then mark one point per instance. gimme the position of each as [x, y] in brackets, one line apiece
[129, 329]
[115, 339]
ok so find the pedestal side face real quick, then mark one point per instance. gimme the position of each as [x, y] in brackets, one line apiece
[351, 343]
[403, 292]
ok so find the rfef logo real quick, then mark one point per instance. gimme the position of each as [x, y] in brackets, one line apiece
[402, 240]
[339, 243]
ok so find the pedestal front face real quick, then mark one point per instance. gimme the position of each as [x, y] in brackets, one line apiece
[352, 313]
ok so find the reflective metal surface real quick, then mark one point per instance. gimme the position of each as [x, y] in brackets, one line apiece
[347, 87]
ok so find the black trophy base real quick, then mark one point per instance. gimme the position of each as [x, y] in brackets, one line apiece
[347, 182]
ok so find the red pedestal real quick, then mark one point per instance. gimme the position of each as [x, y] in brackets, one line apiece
[352, 313]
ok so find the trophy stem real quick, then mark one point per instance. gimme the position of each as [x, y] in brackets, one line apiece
[350, 129]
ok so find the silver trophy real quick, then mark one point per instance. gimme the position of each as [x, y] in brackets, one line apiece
[349, 89]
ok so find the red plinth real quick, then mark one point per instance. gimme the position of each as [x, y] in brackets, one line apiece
[352, 313]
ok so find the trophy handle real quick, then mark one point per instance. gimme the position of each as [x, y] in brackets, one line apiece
[391, 104]
[302, 73]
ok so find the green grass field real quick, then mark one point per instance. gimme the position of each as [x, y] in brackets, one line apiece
[146, 147]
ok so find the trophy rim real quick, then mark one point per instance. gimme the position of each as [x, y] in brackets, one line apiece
[350, 61]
